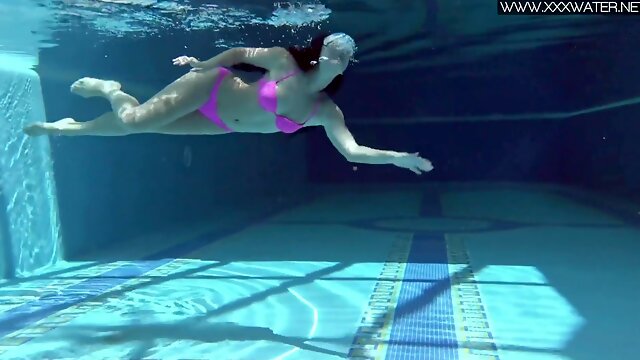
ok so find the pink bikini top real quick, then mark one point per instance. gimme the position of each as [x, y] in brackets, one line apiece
[268, 98]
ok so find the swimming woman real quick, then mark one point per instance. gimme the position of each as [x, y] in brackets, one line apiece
[211, 100]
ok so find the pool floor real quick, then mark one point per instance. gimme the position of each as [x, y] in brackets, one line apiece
[443, 271]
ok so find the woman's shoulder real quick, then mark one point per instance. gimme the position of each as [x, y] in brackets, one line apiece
[282, 58]
[285, 65]
[327, 112]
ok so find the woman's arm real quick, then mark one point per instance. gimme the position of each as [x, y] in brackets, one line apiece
[269, 59]
[343, 141]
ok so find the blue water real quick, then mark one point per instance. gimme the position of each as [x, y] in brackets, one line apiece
[521, 244]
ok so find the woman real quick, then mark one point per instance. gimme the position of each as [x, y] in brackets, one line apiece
[210, 100]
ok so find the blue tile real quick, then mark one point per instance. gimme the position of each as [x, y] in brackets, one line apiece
[30, 312]
[424, 323]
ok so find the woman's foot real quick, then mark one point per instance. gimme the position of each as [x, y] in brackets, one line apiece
[90, 87]
[44, 128]
[36, 129]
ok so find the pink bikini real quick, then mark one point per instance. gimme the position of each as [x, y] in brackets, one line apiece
[267, 97]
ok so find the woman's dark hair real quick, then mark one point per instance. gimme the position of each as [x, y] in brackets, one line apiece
[307, 58]
[304, 56]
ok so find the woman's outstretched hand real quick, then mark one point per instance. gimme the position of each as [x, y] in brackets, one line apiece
[413, 162]
[188, 60]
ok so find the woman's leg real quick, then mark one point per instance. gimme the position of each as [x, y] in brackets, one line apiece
[107, 124]
[178, 99]
[193, 123]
